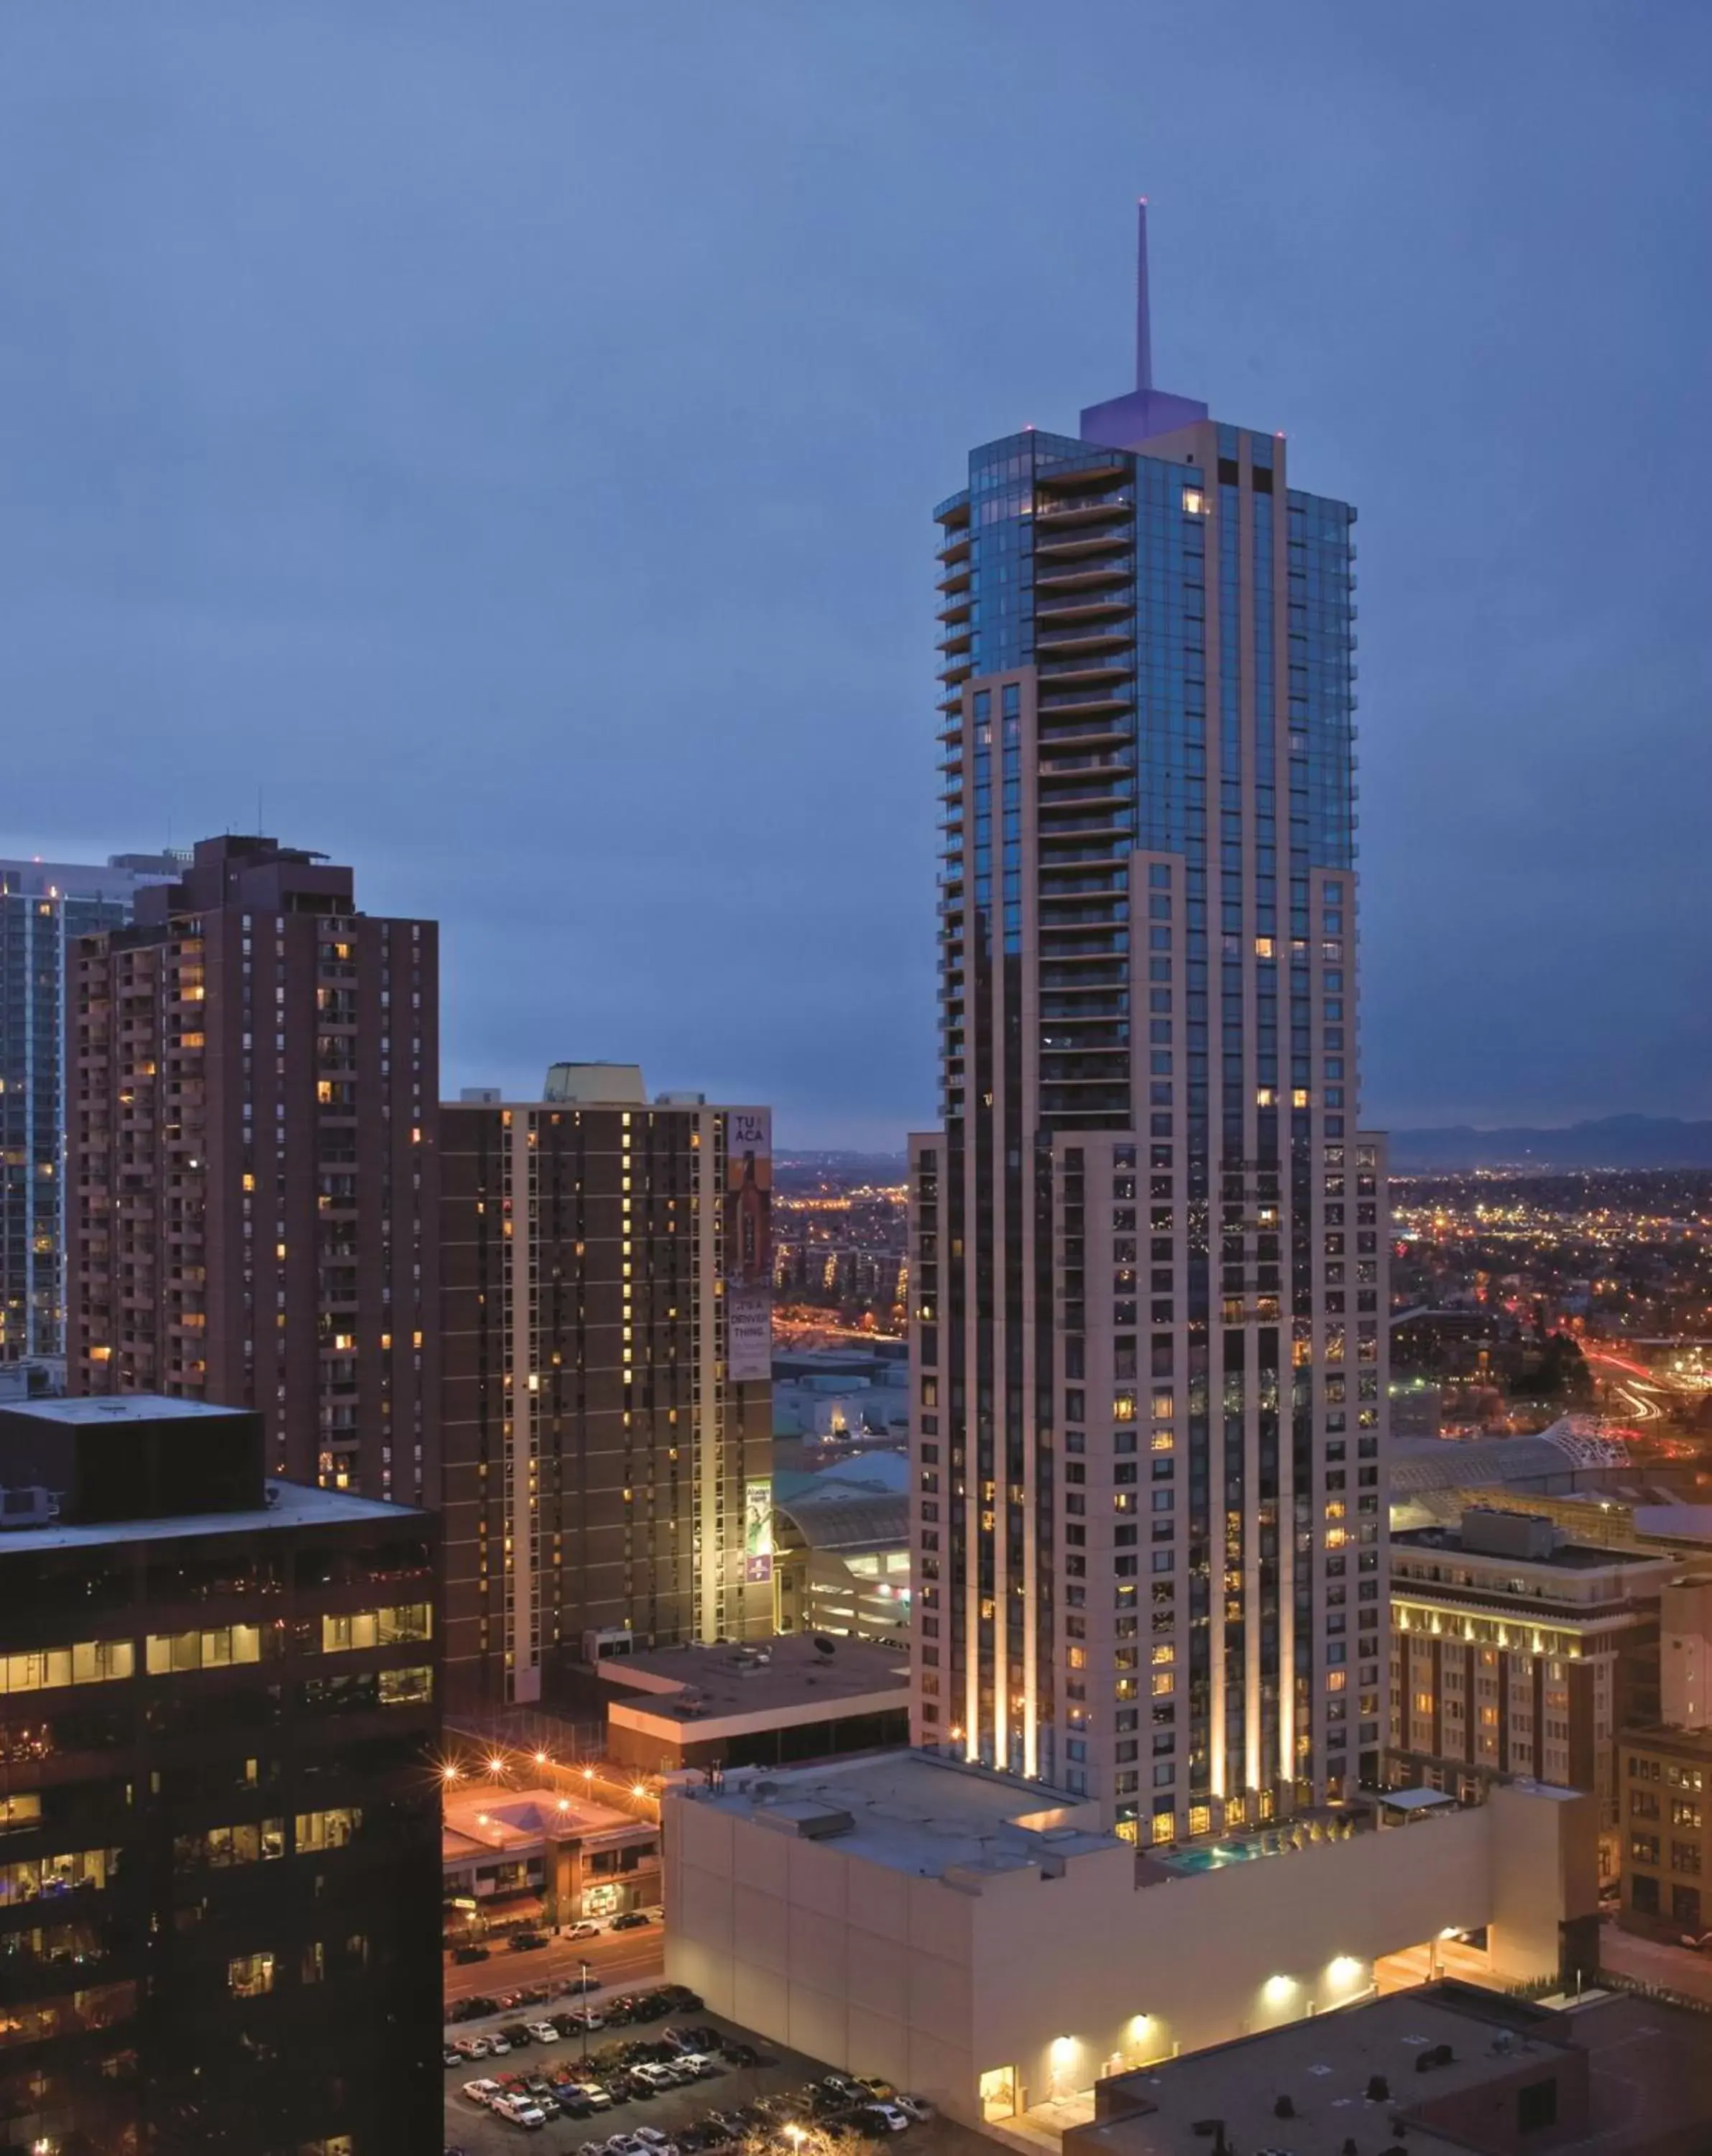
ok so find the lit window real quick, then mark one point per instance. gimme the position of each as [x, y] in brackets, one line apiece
[1194, 501]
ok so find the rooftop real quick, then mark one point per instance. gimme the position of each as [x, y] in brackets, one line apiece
[101, 1409]
[1650, 2078]
[512, 1822]
[911, 1812]
[294, 1505]
[1566, 1557]
[698, 1684]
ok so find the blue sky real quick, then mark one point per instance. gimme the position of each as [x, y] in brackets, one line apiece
[505, 437]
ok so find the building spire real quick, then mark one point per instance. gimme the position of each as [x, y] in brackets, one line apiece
[1144, 324]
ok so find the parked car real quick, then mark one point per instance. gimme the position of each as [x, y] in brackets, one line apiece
[469, 1953]
[917, 2106]
[498, 2045]
[519, 2110]
[527, 1942]
[452, 2057]
[482, 2092]
[543, 2032]
[633, 1920]
[588, 1929]
[883, 2115]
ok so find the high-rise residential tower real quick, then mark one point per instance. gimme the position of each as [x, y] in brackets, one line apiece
[1149, 1329]
[253, 1171]
[607, 1417]
[45, 907]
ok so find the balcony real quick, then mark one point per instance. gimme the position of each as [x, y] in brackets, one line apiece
[1067, 582]
[1070, 549]
[1082, 508]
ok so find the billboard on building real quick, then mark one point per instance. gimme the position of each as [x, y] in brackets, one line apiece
[757, 1529]
[749, 1244]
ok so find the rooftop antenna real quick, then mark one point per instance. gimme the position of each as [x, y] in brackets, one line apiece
[1144, 325]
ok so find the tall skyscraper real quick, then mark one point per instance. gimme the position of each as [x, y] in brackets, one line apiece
[608, 1416]
[252, 1161]
[45, 907]
[1149, 1234]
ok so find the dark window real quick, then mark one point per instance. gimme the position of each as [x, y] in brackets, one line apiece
[1536, 2105]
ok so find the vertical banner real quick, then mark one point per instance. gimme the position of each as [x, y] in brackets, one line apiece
[748, 1247]
[757, 1529]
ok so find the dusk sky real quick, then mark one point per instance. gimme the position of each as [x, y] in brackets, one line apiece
[507, 438]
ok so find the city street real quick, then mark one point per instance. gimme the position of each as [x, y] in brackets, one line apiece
[620, 1960]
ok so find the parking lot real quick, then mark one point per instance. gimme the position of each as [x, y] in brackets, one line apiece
[680, 2114]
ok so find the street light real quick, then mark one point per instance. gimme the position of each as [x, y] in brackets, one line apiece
[583, 1966]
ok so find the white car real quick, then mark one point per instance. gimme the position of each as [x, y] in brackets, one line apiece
[586, 1930]
[519, 2110]
[499, 2045]
[657, 2077]
[543, 2032]
[472, 2047]
[890, 2115]
[917, 2106]
[650, 2137]
[482, 2092]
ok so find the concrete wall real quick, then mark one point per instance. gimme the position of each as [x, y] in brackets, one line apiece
[932, 1982]
[855, 1963]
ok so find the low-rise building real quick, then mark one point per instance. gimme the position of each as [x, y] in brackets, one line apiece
[797, 1697]
[512, 1859]
[980, 1939]
[1447, 2067]
[1516, 1652]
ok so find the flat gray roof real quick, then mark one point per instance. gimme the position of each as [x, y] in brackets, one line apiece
[123, 1407]
[701, 1684]
[297, 1507]
[911, 1812]
[1649, 2079]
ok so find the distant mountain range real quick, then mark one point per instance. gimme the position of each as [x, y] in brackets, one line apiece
[1609, 1142]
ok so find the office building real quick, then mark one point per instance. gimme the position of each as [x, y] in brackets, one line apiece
[1149, 1234]
[1664, 1780]
[608, 1398]
[984, 1940]
[252, 1163]
[1517, 1650]
[45, 907]
[219, 1887]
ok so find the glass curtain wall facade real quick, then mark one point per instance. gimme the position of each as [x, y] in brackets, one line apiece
[1149, 1235]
